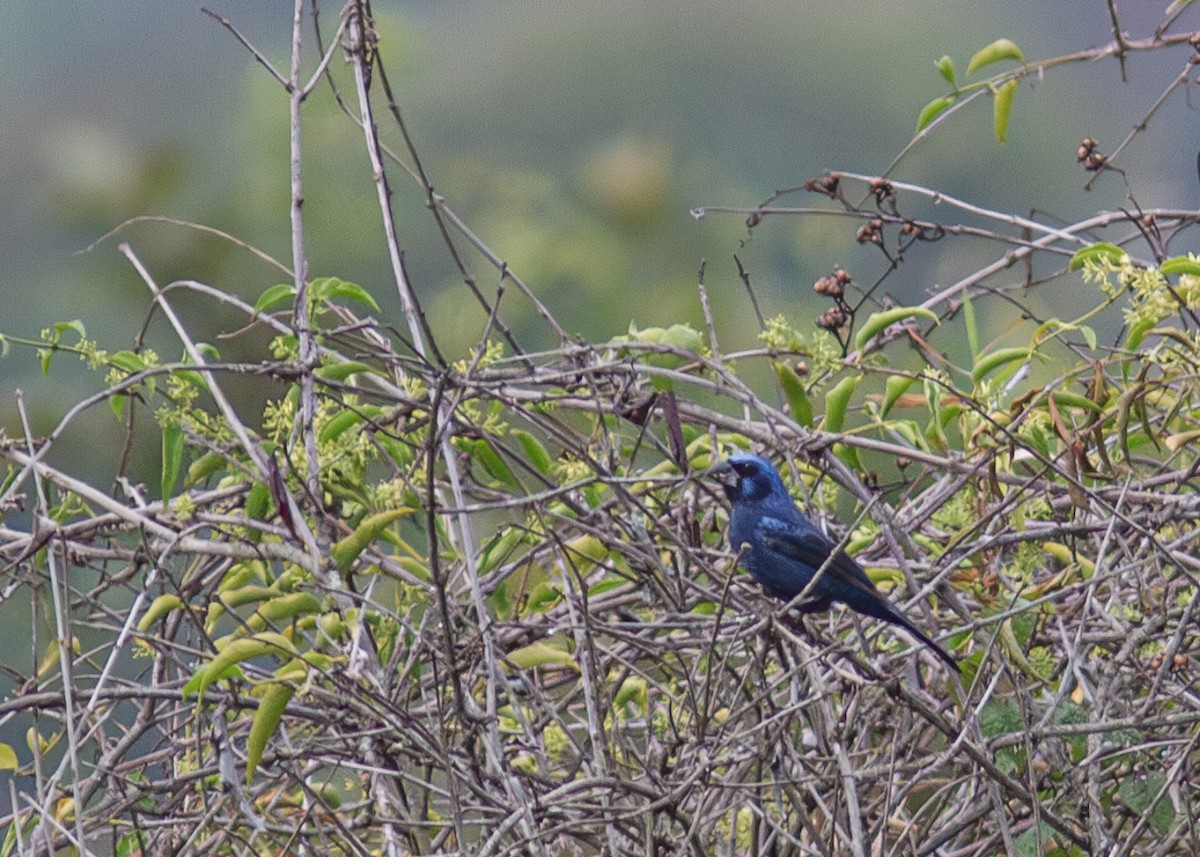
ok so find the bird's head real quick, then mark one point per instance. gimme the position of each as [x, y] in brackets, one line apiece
[749, 478]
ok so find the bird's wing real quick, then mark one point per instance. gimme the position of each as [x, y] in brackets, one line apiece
[811, 547]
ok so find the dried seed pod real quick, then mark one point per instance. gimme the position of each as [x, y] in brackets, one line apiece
[827, 184]
[868, 234]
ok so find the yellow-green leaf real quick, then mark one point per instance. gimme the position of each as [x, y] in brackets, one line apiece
[631, 691]
[347, 550]
[275, 296]
[990, 362]
[248, 594]
[8, 758]
[896, 386]
[1100, 251]
[159, 607]
[172, 457]
[932, 111]
[266, 720]
[284, 609]
[257, 507]
[1066, 398]
[878, 322]
[342, 371]
[794, 392]
[483, 452]
[204, 467]
[233, 653]
[1002, 108]
[1180, 265]
[1001, 49]
[945, 67]
[534, 451]
[1137, 332]
[338, 425]
[836, 402]
[540, 654]
[1066, 556]
[328, 288]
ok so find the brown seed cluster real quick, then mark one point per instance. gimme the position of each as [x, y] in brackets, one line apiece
[870, 232]
[834, 286]
[827, 184]
[882, 189]
[833, 319]
[1087, 155]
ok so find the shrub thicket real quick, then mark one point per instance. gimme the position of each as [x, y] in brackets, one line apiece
[482, 603]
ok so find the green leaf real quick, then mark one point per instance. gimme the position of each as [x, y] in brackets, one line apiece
[880, 321]
[534, 451]
[1137, 793]
[1067, 399]
[794, 392]
[997, 51]
[248, 594]
[945, 67]
[500, 549]
[328, 288]
[1180, 265]
[258, 502]
[932, 111]
[343, 370]
[972, 325]
[205, 466]
[1000, 717]
[191, 376]
[159, 607]
[895, 387]
[1137, 332]
[172, 457]
[226, 661]
[483, 452]
[8, 758]
[266, 720]
[257, 508]
[631, 691]
[1002, 108]
[347, 550]
[1036, 841]
[76, 325]
[127, 361]
[836, 402]
[283, 609]
[275, 296]
[540, 654]
[1100, 251]
[989, 363]
[337, 425]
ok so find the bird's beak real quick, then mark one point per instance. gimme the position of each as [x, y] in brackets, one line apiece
[724, 473]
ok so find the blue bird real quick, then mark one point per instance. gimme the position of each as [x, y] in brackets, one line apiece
[782, 549]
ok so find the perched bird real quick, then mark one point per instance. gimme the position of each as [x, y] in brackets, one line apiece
[782, 549]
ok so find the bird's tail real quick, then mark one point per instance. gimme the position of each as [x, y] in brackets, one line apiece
[896, 619]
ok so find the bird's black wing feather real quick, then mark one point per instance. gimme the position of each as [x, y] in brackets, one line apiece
[812, 548]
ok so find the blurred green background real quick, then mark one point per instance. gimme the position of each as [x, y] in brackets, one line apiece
[573, 137]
